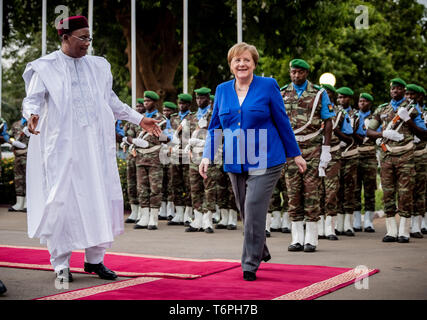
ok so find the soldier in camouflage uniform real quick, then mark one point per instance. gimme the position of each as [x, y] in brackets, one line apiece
[169, 111]
[180, 179]
[21, 136]
[367, 167]
[420, 159]
[349, 162]
[310, 112]
[149, 171]
[423, 107]
[130, 131]
[331, 180]
[397, 158]
[203, 191]
[4, 136]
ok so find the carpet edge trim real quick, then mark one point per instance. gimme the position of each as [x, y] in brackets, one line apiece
[326, 286]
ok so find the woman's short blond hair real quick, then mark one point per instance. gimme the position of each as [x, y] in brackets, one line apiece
[241, 47]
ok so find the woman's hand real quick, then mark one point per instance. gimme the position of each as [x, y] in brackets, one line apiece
[203, 167]
[301, 164]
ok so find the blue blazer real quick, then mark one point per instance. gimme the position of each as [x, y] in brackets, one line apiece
[257, 134]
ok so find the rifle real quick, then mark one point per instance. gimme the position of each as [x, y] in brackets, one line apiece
[392, 125]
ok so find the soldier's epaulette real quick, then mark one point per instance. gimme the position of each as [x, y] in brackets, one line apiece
[317, 87]
[382, 105]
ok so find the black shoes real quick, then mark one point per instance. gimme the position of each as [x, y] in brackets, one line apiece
[286, 230]
[101, 270]
[332, 237]
[389, 239]
[349, 233]
[137, 226]
[209, 230]
[266, 258]
[152, 227]
[64, 275]
[192, 229]
[369, 229]
[173, 223]
[321, 237]
[2, 288]
[130, 220]
[357, 229]
[231, 227]
[402, 239]
[249, 276]
[296, 247]
[220, 226]
[309, 248]
[424, 231]
[267, 234]
[416, 235]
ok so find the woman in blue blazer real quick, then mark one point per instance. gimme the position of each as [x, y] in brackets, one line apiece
[249, 115]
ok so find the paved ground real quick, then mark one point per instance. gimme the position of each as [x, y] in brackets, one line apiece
[402, 266]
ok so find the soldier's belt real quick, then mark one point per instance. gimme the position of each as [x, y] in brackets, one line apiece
[349, 153]
[335, 148]
[20, 152]
[302, 138]
[149, 150]
[366, 148]
[418, 153]
[406, 147]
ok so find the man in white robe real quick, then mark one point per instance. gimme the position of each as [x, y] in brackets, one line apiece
[73, 187]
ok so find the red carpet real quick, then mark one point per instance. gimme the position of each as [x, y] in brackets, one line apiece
[274, 281]
[125, 265]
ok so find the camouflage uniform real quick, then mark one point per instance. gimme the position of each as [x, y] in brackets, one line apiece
[366, 176]
[348, 176]
[180, 180]
[130, 130]
[304, 189]
[330, 186]
[203, 191]
[279, 222]
[149, 175]
[397, 170]
[19, 169]
[420, 159]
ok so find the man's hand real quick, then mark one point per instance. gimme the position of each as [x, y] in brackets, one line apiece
[150, 125]
[203, 167]
[301, 164]
[32, 124]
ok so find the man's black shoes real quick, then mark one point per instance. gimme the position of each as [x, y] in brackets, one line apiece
[2, 288]
[101, 270]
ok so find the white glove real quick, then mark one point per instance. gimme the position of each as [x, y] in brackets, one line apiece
[378, 142]
[416, 139]
[125, 140]
[140, 143]
[403, 114]
[26, 131]
[343, 144]
[325, 157]
[187, 148]
[19, 144]
[392, 135]
[194, 142]
[122, 145]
